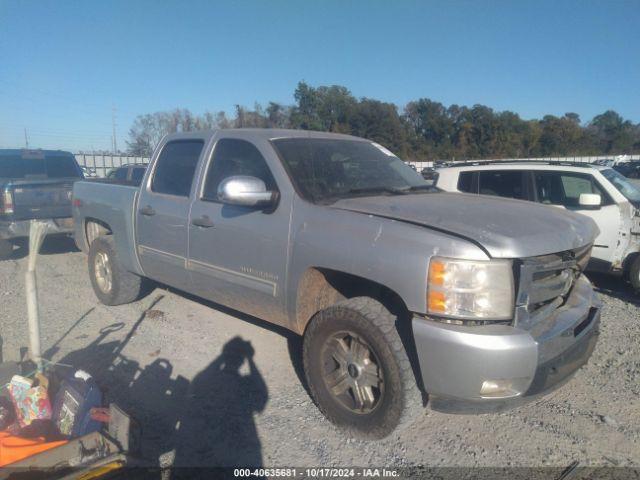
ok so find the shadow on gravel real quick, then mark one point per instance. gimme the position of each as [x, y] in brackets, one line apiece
[615, 287]
[53, 245]
[294, 341]
[207, 422]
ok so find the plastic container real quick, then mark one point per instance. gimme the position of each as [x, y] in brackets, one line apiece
[72, 407]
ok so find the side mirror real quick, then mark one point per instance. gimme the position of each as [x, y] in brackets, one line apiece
[245, 191]
[590, 201]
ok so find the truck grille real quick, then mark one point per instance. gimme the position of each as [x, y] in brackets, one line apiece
[545, 282]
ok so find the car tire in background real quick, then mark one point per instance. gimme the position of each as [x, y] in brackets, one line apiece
[358, 371]
[634, 274]
[6, 249]
[112, 284]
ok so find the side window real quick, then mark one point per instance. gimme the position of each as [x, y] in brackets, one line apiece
[549, 188]
[564, 188]
[121, 174]
[176, 167]
[465, 182]
[137, 175]
[235, 157]
[503, 183]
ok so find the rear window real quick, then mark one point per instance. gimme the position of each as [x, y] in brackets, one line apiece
[465, 182]
[49, 166]
[503, 183]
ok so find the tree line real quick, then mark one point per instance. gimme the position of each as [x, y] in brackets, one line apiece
[423, 130]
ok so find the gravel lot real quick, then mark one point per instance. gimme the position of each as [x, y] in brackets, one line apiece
[150, 363]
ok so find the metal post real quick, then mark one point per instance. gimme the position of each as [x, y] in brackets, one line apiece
[37, 232]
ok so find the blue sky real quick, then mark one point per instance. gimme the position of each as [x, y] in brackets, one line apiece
[63, 64]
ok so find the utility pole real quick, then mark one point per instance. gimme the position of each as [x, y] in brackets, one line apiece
[26, 138]
[113, 126]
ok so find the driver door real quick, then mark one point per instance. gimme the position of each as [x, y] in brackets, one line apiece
[237, 254]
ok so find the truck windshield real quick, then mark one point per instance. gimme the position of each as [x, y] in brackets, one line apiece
[50, 166]
[326, 170]
[630, 190]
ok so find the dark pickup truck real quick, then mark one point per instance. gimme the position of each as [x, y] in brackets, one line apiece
[35, 184]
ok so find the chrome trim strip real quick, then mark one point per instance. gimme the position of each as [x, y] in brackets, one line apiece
[142, 249]
[249, 281]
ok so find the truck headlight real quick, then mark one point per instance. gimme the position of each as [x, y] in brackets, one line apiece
[470, 290]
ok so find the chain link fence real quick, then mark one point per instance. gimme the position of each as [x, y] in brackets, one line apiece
[100, 165]
[577, 159]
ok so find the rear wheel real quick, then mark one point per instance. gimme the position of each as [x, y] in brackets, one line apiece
[6, 248]
[634, 274]
[358, 371]
[112, 284]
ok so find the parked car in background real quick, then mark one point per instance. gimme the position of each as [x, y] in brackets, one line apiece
[598, 192]
[35, 184]
[128, 173]
[88, 172]
[605, 162]
[630, 169]
[430, 174]
[394, 285]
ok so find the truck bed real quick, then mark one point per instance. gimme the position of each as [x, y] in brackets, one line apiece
[113, 204]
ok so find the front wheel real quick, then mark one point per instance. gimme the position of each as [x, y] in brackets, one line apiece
[358, 370]
[112, 284]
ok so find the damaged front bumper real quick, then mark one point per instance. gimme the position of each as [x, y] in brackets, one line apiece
[492, 367]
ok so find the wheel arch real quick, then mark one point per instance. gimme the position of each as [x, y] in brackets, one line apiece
[93, 228]
[321, 287]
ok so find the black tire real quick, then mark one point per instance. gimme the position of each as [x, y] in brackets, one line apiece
[124, 287]
[634, 274]
[6, 249]
[399, 400]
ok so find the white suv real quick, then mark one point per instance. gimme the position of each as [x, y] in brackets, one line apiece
[596, 191]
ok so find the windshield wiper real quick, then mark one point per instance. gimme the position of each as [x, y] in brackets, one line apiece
[380, 189]
[416, 188]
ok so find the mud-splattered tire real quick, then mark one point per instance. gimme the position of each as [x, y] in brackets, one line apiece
[6, 249]
[345, 347]
[111, 283]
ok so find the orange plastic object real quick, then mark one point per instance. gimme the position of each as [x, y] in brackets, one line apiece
[13, 449]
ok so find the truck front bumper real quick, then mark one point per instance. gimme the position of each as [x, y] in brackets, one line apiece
[20, 228]
[493, 367]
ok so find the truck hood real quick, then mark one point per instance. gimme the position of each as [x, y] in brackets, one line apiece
[504, 228]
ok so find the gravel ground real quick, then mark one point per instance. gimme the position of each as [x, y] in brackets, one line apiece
[153, 355]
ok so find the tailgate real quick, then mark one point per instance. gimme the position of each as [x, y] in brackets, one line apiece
[42, 198]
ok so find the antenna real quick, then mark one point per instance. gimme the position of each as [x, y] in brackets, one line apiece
[26, 138]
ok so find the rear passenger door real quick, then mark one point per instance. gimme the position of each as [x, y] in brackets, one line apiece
[163, 212]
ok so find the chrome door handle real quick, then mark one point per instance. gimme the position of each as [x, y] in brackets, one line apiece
[147, 211]
[204, 222]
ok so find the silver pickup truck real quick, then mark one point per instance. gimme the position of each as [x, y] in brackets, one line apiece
[404, 294]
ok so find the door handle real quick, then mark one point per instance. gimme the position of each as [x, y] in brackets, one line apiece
[147, 211]
[204, 222]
